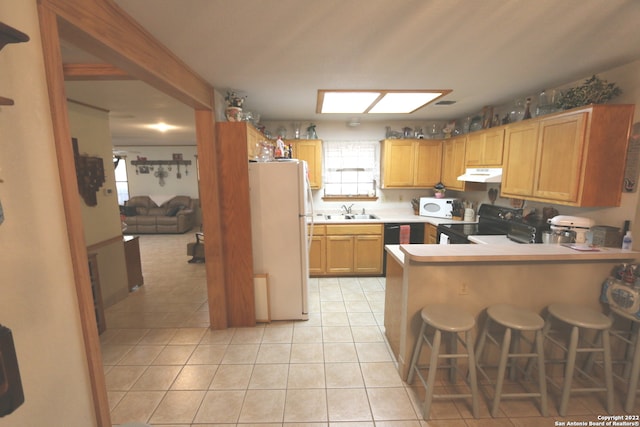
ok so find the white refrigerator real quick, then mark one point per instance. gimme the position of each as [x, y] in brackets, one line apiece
[280, 207]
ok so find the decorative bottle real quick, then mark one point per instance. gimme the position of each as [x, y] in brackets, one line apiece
[627, 240]
[527, 109]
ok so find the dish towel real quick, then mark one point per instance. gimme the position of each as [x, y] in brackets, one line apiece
[444, 239]
[405, 234]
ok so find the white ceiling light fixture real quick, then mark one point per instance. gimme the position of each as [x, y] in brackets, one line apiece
[353, 122]
[161, 127]
[375, 101]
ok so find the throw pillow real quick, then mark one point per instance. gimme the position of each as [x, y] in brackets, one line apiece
[173, 210]
[128, 210]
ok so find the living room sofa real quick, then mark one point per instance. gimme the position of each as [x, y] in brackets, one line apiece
[143, 216]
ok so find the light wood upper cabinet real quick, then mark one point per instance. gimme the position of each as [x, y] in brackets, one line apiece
[574, 158]
[428, 163]
[561, 144]
[453, 162]
[520, 150]
[309, 150]
[485, 148]
[411, 163]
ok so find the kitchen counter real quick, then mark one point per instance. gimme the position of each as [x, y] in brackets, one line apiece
[509, 252]
[384, 216]
[474, 277]
[492, 240]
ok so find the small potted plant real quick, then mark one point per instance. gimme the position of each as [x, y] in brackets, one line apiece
[234, 106]
[439, 190]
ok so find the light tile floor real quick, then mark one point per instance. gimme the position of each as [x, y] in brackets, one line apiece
[164, 367]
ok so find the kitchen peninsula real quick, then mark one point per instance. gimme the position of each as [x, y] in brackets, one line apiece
[476, 276]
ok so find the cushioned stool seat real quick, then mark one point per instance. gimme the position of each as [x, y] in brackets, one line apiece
[514, 321]
[450, 321]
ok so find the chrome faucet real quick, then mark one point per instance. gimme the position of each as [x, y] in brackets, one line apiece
[346, 209]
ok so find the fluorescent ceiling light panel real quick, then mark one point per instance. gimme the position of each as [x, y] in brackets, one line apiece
[403, 102]
[375, 102]
[348, 102]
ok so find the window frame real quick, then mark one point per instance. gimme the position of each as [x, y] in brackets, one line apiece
[349, 164]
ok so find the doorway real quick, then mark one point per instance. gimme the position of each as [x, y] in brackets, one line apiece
[102, 28]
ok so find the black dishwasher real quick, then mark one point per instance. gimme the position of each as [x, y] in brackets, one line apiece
[392, 237]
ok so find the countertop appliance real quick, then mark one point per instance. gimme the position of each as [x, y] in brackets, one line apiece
[280, 205]
[493, 220]
[437, 207]
[575, 224]
[527, 231]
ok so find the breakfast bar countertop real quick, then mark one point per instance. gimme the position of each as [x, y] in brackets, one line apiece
[476, 276]
[511, 252]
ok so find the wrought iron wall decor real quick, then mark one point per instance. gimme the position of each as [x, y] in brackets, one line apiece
[89, 174]
[144, 166]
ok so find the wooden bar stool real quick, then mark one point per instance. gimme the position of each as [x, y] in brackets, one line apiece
[580, 319]
[449, 321]
[631, 359]
[513, 320]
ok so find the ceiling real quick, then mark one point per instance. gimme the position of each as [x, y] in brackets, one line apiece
[279, 53]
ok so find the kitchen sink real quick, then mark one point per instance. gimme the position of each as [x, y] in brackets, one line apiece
[349, 216]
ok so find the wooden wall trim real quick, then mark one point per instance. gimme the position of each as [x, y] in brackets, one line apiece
[89, 72]
[73, 214]
[212, 224]
[235, 217]
[104, 29]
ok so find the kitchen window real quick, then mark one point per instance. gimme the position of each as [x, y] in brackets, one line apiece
[351, 169]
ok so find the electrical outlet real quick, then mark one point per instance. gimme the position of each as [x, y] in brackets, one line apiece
[464, 289]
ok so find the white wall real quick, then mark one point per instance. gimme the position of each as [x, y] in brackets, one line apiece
[101, 222]
[91, 128]
[148, 184]
[38, 300]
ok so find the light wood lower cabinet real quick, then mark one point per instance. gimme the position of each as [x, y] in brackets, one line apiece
[317, 251]
[367, 254]
[430, 234]
[346, 250]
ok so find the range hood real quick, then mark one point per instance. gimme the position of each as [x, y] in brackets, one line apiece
[482, 175]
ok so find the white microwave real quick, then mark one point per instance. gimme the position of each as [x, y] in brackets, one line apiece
[435, 207]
